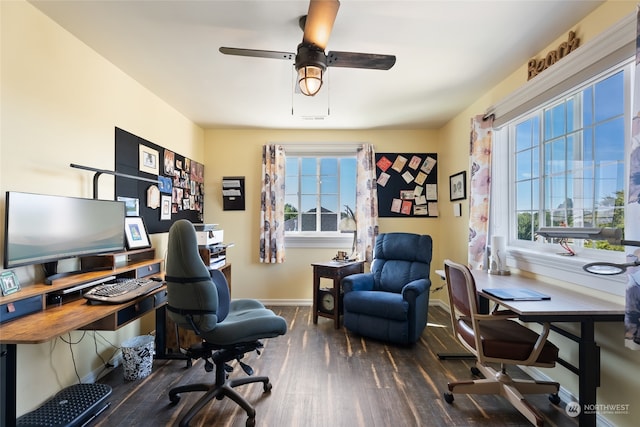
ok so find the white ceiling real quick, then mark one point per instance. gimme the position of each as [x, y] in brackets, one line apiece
[449, 52]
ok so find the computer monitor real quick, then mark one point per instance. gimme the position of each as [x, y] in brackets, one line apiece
[42, 229]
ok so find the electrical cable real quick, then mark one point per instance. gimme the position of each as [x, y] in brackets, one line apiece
[73, 358]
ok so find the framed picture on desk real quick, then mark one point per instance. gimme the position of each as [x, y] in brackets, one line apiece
[136, 233]
[9, 283]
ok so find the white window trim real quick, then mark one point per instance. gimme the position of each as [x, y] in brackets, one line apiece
[614, 43]
[323, 240]
[313, 240]
[611, 47]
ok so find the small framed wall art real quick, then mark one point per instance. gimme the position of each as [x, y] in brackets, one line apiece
[458, 186]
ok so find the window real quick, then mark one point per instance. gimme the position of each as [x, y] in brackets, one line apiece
[320, 194]
[558, 157]
[569, 161]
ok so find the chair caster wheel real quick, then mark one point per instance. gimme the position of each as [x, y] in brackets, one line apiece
[475, 371]
[448, 397]
[174, 398]
[554, 398]
[251, 422]
[267, 387]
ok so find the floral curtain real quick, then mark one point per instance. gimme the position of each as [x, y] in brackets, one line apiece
[479, 189]
[632, 220]
[366, 202]
[272, 205]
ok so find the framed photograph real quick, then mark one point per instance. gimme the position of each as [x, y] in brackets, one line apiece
[149, 161]
[9, 282]
[131, 205]
[165, 208]
[136, 232]
[458, 186]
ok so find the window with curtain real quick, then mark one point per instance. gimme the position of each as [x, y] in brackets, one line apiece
[560, 157]
[568, 158]
[320, 195]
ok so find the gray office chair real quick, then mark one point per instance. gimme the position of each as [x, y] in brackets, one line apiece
[199, 299]
[496, 338]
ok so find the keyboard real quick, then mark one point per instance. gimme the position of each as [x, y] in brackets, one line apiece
[122, 290]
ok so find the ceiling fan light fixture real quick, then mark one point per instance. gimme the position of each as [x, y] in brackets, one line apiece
[310, 79]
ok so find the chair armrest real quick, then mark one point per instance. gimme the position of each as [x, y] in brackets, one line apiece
[412, 290]
[357, 282]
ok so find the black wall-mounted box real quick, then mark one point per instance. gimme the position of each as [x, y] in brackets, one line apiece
[233, 193]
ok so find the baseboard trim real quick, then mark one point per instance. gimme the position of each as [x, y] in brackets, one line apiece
[308, 302]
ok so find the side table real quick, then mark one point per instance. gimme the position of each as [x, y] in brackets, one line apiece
[334, 270]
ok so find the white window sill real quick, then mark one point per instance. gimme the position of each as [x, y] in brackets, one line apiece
[318, 240]
[566, 269]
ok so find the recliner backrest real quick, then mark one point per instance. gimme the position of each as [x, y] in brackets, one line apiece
[189, 284]
[400, 258]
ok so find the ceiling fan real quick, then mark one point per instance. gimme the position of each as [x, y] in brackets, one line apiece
[310, 60]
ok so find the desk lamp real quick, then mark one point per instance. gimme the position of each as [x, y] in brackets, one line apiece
[612, 235]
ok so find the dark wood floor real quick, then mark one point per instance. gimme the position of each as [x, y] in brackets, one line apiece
[322, 376]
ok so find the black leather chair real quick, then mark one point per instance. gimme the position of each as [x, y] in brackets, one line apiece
[199, 299]
[497, 338]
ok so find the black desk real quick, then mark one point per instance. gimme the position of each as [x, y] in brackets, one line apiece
[564, 306]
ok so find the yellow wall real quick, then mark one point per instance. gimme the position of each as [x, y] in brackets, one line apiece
[618, 383]
[60, 103]
[291, 280]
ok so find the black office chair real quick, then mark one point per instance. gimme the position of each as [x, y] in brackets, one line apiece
[497, 338]
[199, 299]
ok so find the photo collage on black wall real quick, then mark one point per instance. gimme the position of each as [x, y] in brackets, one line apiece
[407, 184]
[186, 179]
[176, 190]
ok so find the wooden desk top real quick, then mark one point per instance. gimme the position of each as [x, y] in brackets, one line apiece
[48, 324]
[336, 264]
[53, 321]
[564, 305]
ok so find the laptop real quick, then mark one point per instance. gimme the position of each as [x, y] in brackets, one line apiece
[516, 294]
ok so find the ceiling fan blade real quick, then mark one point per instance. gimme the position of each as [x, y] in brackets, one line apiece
[319, 22]
[360, 60]
[258, 53]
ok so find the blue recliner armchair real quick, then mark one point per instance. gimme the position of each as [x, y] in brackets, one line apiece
[391, 302]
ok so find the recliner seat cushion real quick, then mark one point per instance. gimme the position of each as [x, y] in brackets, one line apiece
[507, 340]
[385, 305]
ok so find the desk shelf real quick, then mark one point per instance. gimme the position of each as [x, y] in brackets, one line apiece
[45, 323]
[28, 296]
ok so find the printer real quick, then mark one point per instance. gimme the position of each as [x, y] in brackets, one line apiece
[209, 234]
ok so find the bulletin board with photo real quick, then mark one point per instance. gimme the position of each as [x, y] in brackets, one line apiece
[407, 185]
[178, 194]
